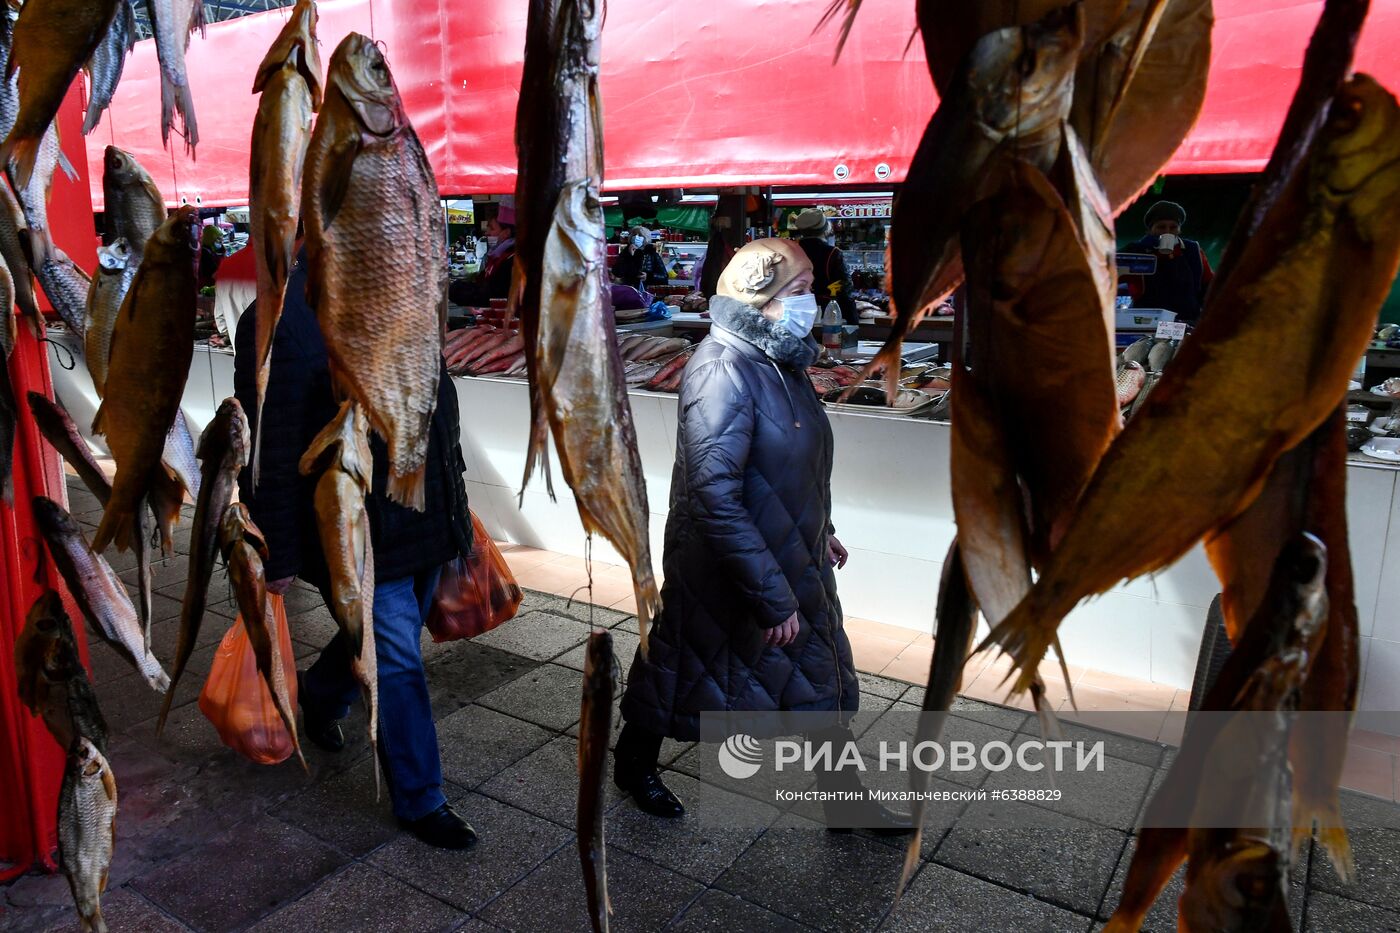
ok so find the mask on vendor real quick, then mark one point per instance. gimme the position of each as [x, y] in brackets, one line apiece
[638, 242]
[491, 242]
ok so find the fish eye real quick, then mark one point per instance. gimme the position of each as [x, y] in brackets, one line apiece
[1346, 114]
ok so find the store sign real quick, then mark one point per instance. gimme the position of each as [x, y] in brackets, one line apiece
[870, 209]
[461, 211]
[1171, 330]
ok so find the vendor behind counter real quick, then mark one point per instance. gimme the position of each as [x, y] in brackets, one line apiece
[494, 279]
[832, 280]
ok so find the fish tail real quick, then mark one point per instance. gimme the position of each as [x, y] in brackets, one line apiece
[886, 361]
[175, 98]
[1331, 833]
[142, 544]
[1026, 641]
[20, 155]
[912, 859]
[117, 524]
[407, 489]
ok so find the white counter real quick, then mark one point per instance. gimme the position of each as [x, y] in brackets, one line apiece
[892, 510]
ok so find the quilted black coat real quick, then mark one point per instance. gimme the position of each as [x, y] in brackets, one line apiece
[746, 540]
[299, 403]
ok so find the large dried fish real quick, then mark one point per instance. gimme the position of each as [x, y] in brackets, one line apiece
[14, 241]
[52, 40]
[1225, 799]
[377, 272]
[51, 678]
[98, 591]
[152, 345]
[1305, 491]
[223, 453]
[1296, 313]
[174, 21]
[594, 733]
[576, 380]
[66, 286]
[289, 82]
[116, 268]
[87, 830]
[133, 208]
[105, 67]
[340, 453]
[1013, 92]
[34, 195]
[245, 551]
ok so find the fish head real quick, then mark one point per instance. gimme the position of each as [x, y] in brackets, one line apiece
[1232, 884]
[1021, 76]
[45, 649]
[359, 71]
[177, 239]
[54, 521]
[296, 45]
[227, 435]
[1360, 151]
[113, 257]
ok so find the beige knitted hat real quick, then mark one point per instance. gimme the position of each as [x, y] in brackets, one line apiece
[760, 269]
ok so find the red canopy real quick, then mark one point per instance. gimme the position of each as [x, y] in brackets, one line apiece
[724, 92]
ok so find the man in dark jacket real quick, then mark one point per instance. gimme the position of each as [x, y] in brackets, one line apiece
[830, 278]
[750, 618]
[409, 551]
[1183, 271]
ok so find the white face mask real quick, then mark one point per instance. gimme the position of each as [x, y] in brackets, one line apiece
[491, 242]
[638, 242]
[799, 313]
[1167, 242]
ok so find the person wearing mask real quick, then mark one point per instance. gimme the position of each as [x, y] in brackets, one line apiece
[639, 264]
[1183, 271]
[495, 276]
[832, 281]
[409, 548]
[750, 619]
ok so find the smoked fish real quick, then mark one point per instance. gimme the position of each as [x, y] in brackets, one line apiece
[134, 208]
[1199, 809]
[174, 21]
[105, 67]
[595, 730]
[14, 241]
[340, 453]
[98, 591]
[152, 345]
[116, 268]
[563, 300]
[245, 551]
[223, 453]
[289, 82]
[66, 286]
[52, 40]
[87, 830]
[52, 681]
[377, 271]
[1296, 313]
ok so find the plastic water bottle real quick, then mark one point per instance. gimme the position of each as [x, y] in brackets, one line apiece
[831, 329]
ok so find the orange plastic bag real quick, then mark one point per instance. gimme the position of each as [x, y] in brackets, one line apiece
[474, 594]
[237, 700]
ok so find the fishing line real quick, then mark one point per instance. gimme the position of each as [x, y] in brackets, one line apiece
[72, 363]
[372, 33]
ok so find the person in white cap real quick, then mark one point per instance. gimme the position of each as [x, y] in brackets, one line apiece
[831, 279]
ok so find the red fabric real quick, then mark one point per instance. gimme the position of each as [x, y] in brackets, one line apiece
[725, 93]
[31, 762]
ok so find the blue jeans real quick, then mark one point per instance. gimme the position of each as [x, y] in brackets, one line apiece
[408, 742]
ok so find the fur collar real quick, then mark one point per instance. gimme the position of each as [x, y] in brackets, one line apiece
[775, 340]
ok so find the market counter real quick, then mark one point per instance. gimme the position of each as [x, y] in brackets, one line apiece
[892, 509]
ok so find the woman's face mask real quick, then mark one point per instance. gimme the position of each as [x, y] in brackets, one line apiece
[1167, 242]
[799, 313]
[638, 242]
[491, 242]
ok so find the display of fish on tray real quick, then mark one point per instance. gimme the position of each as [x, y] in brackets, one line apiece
[562, 295]
[377, 268]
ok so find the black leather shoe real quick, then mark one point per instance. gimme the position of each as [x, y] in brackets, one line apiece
[442, 829]
[650, 794]
[324, 733]
[877, 819]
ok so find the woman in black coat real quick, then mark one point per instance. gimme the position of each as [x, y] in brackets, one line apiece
[750, 618]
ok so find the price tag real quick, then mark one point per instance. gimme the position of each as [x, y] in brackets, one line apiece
[1359, 414]
[1171, 331]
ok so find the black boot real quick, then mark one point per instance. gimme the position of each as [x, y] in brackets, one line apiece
[635, 772]
[323, 731]
[442, 829]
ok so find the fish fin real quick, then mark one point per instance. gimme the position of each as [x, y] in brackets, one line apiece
[1331, 835]
[116, 527]
[1064, 672]
[67, 166]
[19, 156]
[407, 489]
[1024, 641]
[99, 420]
[335, 181]
[324, 446]
[141, 543]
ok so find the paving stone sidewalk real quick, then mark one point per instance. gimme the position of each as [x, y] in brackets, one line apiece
[208, 841]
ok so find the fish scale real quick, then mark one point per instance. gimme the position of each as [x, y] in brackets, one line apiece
[87, 827]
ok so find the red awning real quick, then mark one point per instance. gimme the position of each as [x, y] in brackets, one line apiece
[724, 92]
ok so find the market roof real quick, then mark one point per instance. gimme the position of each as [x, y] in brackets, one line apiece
[721, 93]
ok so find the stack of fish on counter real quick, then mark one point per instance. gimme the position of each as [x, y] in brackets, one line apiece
[1139, 367]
